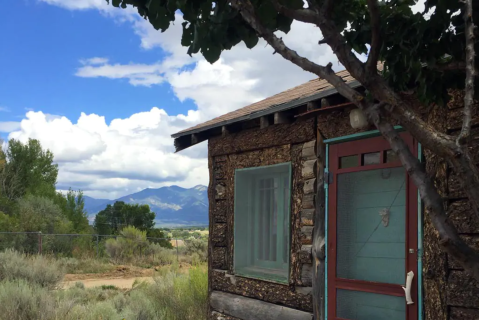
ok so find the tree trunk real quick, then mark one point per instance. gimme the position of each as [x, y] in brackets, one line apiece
[449, 238]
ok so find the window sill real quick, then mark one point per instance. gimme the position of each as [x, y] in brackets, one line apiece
[258, 273]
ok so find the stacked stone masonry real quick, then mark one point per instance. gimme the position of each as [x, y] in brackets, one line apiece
[253, 148]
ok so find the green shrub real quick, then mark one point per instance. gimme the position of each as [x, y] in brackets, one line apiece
[36, 270]
[20, 300]
[181, 297]
[160, 255]
[73, 265]
[25, 294]
[109, 287]
[94, 311]
[131, 243]
[197, 246]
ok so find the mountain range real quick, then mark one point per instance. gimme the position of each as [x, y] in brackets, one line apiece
[174, 206]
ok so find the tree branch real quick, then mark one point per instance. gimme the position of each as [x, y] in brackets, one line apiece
[303, 15]
[451, 66]
[469, 89]
[449, 238]
[313, 5]
[247, 12]
[440, 143]
[376, 42]
[327, 8]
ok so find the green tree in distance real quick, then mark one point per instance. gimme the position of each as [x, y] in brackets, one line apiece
[27, 168]
[119, 215]
[73, 206]
[158, 236]
[423, 55]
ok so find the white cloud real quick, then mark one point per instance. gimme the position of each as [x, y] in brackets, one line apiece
[67, 141]
[9, 126]
[79, 4]
[4, 109]
[93, 61]
[242, 76]
[115, 159]
[127, 155]
[137, 74]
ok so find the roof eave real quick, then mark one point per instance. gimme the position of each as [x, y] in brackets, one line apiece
[268, 111]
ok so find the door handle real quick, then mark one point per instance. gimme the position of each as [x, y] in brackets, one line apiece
[407, 289]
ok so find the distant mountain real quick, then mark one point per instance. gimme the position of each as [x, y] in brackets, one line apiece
[174, 206]
[91, 204]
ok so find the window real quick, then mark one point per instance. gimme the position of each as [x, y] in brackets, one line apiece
[262, 222]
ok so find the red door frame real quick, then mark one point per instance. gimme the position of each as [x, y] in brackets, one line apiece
[359, 147]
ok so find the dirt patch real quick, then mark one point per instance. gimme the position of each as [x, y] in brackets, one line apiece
[124, 272]
[122, 283]
[181, 243]
[121, 277]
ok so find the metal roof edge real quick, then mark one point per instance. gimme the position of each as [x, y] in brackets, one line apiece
[275, 108]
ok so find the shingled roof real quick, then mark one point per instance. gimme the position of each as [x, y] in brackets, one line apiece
[309, 91]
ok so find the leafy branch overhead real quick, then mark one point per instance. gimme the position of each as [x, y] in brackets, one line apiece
[408, 40]
[425, 53]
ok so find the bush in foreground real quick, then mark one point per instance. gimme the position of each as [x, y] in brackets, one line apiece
[21, 300]
[36, 270]
[27, 283]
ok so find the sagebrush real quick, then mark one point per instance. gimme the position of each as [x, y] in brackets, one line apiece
[27, 292]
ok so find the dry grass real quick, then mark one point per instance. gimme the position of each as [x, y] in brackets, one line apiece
[176, 294]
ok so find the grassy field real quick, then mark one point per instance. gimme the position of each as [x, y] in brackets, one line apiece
[31, 288]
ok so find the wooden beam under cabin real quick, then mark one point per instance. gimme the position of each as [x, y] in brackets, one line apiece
[251, 309]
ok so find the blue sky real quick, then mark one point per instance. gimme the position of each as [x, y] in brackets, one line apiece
[43, 45]
[104, 91]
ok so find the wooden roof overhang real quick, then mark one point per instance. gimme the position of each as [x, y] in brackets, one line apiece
[321, 101]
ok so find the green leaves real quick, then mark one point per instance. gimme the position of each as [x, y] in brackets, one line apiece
[409, 40]
[210, 27]
[115, 217]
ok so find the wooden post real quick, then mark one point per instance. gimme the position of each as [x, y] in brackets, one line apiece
[325, 103]
[97, 245]
[280, 117]
[312, 105]
[40, 244]
[177, 253]
[318, 249]
[194, 138]
[264, 122]
[224, 131]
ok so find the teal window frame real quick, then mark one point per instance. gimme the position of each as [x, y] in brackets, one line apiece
[247, 256]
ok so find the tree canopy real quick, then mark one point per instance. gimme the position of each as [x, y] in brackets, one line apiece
[29, 169]
[409, 40]
[119, 215]
[29, 200]
[73, 206]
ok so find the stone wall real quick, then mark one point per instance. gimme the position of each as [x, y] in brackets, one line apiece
[461, 295]
[448, 292]
[252, 148]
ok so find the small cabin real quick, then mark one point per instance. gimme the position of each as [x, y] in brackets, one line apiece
[312, 216]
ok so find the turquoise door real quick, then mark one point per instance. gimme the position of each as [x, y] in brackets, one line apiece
[372, 233]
